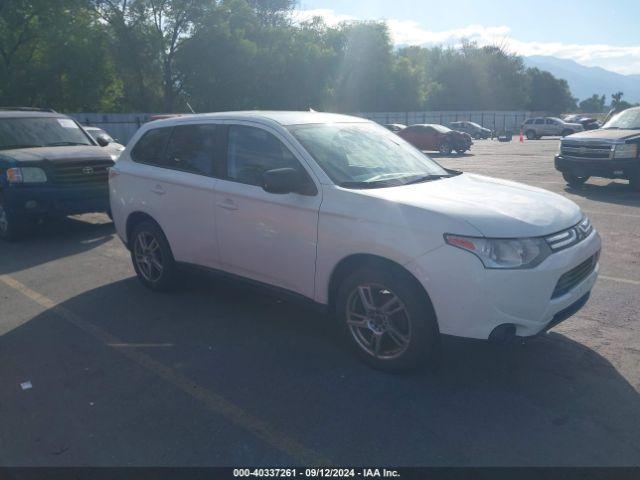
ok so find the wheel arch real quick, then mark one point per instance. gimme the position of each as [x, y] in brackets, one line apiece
[134, 219]
[354, 261]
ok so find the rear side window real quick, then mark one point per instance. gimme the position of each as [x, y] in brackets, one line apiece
[150, 148]
[195, 148]
[252, 151]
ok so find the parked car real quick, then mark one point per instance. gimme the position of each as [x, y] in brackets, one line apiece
[49, 167]
[394, 127]
[611, 152]
[437, 138]
[587, 123]
[340, 212]
[103, 138]
[535, 128]
[476, 131]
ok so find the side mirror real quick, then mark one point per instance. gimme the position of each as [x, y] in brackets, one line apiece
[102, 140]
[283, 180]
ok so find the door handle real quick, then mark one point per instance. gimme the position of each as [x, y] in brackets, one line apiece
[228, 204]
[158, 190]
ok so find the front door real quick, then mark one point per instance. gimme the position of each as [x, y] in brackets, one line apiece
[264, 236]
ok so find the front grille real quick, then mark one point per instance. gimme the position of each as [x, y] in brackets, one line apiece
[569, 237]
[575, 276]
[89, 172]
[586, 151]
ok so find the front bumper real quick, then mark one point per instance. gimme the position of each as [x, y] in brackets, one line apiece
[621, 168]
[47, 200]
[471, 301]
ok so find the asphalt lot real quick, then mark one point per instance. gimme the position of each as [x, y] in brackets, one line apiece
[222, 374]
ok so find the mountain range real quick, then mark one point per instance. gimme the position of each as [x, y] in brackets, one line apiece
[585, 81]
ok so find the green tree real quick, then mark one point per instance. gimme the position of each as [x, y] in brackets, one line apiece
[548, 93]
[365, 69]
[593, 104]
[55, 54]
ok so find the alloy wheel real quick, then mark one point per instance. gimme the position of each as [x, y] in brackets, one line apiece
[148, 257]
[379, 321]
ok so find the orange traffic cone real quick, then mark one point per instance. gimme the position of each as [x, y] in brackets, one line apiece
[521, 137]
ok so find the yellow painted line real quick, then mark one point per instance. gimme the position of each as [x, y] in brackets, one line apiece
[621, 280]
[212, 401]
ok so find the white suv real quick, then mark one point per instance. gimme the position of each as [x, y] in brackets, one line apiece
[344, 213]
[536, 128]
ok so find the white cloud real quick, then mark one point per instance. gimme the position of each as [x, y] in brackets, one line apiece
[619, 59]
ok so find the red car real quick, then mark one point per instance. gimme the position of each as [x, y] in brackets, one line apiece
[436, 138]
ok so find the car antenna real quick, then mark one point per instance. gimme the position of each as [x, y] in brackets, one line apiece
[190, 108]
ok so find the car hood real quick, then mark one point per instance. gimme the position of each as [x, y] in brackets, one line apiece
[55, 154]
[605, 134]
[497, 208]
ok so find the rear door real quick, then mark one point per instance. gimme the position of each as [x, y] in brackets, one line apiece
[264, 236]
[177, 183]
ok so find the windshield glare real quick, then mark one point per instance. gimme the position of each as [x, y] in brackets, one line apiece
[40, 132]
[627, 120]
[364, 154]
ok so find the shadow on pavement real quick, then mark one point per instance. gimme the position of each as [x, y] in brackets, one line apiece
[55, 239]
[616, 192]
[550, 402]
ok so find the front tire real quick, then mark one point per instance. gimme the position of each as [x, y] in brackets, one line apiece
[387, 318]
[461, 151]
[11, 229]
[152, 258]
[445, 149]
[574, 180]
[634, 182]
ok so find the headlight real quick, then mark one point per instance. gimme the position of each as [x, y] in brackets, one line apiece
[503, 253]
[26, 175]
[627, 150]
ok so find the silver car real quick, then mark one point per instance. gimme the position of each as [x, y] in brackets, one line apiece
[539, 127]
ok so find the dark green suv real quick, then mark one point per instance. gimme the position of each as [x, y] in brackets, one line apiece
[49, 167]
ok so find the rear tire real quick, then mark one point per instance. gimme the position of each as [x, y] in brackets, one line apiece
[152, 258]
[574, 180]
[531, 135]
[387, 318]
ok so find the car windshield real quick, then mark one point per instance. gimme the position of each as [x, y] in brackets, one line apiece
[29, 132]
[440, 128]
[97, 132]
[364, 155]
[626, 120]
[474, 124]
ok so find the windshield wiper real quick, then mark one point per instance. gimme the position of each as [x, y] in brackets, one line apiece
[62, 144]
[427, 178]
[377, 184]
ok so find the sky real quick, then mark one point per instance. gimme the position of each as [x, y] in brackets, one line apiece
[599, 33]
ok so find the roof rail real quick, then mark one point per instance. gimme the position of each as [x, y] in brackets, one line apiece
[27, 109]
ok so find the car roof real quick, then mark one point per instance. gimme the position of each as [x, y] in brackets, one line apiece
[284, 118]
[29, 114]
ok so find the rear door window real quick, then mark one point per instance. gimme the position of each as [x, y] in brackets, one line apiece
[151, 146]
[195, 148]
